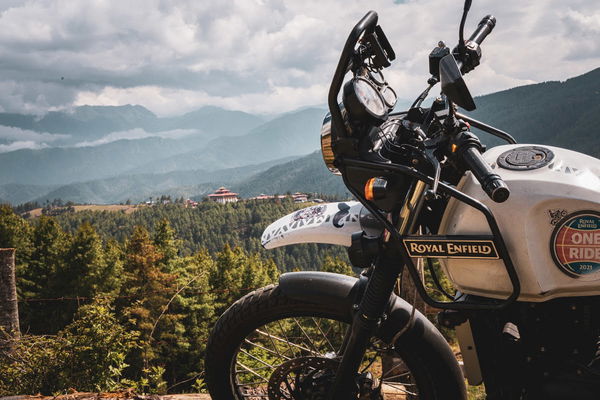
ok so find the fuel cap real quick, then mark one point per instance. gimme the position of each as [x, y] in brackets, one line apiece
[525, 158]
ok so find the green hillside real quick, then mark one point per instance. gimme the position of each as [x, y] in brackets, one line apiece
[211, 226]
[307, 174]
[564, 114]
[137, 188]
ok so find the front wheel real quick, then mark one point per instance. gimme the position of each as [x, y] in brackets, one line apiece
[268, 346]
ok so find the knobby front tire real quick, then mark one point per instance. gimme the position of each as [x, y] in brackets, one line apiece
[268, 343]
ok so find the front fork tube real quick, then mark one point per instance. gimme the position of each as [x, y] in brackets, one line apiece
[377, 294]
[366, 320]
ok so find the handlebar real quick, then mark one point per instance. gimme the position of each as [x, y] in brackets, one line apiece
[492, 183]
[485, 27]
[468, 54]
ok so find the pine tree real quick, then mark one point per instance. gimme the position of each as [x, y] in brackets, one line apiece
[149, 291]
[42, 278]
[165, 242]
[15, 232]
[337, 266]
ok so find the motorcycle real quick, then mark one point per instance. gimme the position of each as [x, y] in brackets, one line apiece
[515, 229]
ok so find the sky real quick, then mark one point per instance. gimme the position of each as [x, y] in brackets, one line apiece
[264, 56]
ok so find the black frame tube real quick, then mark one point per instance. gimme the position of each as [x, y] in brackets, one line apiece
[487, 128]
[449, 190]
[367, 23]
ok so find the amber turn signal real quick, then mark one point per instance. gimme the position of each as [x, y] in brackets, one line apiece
[375, 188]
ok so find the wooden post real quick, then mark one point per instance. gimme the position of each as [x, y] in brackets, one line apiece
[9, 308]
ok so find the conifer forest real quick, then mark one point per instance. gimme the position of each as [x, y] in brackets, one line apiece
[111, 301]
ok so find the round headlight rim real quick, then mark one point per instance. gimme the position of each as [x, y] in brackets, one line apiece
[355, 107]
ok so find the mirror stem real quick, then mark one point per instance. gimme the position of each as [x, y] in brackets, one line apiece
[461, 31]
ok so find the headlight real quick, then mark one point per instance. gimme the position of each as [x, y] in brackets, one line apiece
[326, 148]
[363, 102]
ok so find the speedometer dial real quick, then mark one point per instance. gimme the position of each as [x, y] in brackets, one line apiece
[389, 96]
[369, 96]
[364, 102]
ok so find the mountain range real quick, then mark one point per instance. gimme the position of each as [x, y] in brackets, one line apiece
[111, 154]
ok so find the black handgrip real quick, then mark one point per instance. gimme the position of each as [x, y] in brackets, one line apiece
[483, 29]
[491, 183]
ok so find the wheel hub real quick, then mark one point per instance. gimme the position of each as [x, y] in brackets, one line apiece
[303, 378]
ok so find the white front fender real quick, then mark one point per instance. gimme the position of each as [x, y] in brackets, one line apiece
[332, 223]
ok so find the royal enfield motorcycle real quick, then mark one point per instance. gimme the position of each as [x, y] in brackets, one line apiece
[515, 230]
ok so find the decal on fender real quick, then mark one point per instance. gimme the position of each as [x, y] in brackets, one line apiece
[451, 247]
[575, 244]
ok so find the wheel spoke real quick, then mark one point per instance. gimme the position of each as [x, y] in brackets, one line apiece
[252, 371]
[267, 349]
[396, 376]
[288, 342]
[272, 342]
[257, 359]
[399, 386]
[286, 338]
[310, 342]
[323, 333]
[292, 351]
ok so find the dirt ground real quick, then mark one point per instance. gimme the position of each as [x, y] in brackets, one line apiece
[111, 396]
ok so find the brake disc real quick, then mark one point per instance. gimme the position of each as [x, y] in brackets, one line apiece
[306, 378]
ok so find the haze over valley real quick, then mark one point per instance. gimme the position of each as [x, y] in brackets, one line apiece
[110, 154]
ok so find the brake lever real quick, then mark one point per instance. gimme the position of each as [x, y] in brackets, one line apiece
[430, 146]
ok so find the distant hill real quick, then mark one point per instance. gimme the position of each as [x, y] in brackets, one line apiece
[135, 187]
[93, 122]
[15, 193]
[62, 165]
[564, 114]
[292, 134]
[213, 121]
[307, 174]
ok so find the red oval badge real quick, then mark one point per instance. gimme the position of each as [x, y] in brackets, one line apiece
[575, 244]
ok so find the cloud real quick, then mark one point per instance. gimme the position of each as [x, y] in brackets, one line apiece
[263, 55]
[19, 145]
[10, 133]
[137, 133]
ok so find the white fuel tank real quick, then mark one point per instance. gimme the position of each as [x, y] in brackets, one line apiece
[550, 223]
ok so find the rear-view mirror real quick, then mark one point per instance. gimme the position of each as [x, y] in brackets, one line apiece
[453, 84]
